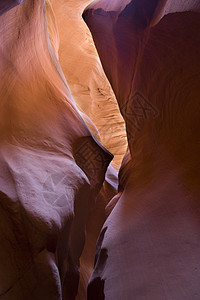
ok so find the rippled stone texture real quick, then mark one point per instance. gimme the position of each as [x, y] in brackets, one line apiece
[83, 71]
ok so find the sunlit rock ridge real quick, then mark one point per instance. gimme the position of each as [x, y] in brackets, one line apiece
[84, 74]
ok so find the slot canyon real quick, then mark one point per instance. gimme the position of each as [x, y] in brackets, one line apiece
[99, 150]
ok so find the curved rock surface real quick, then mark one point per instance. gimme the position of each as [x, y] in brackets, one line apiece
[51, 167]
[149, 245]
[84, 74]
[55, 180]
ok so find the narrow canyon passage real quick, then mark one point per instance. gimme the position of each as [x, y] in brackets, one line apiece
[99, 150]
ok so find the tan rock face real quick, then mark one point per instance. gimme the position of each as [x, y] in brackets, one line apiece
[55, 178]
[51, 168]
[83, 71]
[77, 55]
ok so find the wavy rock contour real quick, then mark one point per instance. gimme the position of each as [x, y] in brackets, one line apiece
[149, 245]
[51, 166]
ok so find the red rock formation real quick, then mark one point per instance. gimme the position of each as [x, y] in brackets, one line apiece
[84, 74]
[149, 245]
[5, 5]
[51, 167]
[95, 99]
